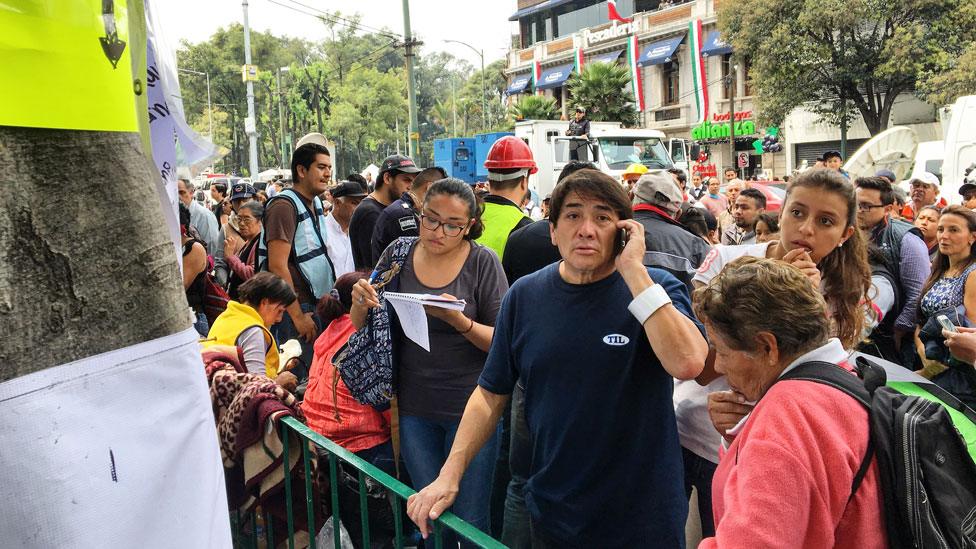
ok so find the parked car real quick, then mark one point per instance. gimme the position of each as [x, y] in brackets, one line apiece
[775, 195]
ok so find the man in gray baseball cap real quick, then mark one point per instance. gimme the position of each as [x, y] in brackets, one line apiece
[669, 245]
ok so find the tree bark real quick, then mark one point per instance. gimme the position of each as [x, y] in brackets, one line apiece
[87, 265]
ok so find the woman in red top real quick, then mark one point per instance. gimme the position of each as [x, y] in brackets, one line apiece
[785, 480]
[357, 428]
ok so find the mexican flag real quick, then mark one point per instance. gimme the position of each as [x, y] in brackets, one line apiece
[699, 80]
[612, 14]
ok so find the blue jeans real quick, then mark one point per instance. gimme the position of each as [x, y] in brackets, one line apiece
[698, 474]
[516, 532]
[425, 445]
[285, 330]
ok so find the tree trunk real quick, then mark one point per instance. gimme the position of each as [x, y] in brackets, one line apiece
[88, 266]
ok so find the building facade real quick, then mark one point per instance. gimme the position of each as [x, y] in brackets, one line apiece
[686, 75]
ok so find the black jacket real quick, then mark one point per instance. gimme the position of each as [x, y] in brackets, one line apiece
[669, 245]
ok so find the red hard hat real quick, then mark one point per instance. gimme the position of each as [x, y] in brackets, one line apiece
[510, 152]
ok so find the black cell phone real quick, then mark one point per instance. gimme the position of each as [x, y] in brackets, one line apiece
[623, 235]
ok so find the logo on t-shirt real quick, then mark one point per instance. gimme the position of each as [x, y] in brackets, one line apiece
[616, 340]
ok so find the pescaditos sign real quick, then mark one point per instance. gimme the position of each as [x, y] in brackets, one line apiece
[707, 130]
[614, 31]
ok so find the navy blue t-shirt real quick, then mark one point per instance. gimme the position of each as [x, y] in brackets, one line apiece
[606, 463]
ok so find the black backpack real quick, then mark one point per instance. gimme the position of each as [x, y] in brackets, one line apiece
[926, 473]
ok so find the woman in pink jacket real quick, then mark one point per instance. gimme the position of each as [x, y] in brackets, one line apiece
[785, 479]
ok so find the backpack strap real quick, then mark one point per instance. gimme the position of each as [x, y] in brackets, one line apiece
[832, 375]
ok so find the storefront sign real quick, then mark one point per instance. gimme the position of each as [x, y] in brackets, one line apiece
[616, 30]
[705, 170]
[739, 116]
[707, 130]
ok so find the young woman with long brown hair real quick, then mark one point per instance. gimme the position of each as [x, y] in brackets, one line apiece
[819, 236]
[951, 284]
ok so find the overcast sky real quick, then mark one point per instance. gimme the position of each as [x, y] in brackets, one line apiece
[483, 24]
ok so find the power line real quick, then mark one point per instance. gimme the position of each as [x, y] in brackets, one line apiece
[338, 19]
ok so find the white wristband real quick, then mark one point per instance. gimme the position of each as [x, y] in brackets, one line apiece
[648, 302]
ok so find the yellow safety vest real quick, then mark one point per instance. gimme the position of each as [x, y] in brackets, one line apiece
[499, 220]
[233, 322]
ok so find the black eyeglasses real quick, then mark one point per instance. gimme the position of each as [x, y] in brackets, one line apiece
[432, 224]
[865, 207]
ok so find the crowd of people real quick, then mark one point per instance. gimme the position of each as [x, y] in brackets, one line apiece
[612, 357]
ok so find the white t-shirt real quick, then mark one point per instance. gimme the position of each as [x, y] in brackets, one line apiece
[338, 246]
[695, 429]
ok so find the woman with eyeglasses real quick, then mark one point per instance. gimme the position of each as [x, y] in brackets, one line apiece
[433, 387]
[241, 255]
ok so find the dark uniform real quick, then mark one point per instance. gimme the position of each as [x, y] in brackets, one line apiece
[396, 220]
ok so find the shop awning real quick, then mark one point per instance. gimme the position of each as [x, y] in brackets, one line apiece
[547, 5]
[715, 46]
[518, 85]
[554, 77]
[660, 52]
[610, 57]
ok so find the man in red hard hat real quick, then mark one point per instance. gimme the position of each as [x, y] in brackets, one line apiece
[509, 165]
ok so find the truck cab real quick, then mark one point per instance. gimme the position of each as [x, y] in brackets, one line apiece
[610, 146]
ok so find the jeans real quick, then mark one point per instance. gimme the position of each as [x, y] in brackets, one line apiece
[285, 330]
[503, 475]
[516, 530]
[378, 506]
[201, 324]
[425, 445]
[698, 473]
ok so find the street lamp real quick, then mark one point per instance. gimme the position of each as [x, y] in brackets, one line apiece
[209, 106]
[281, 117]
[484, 105]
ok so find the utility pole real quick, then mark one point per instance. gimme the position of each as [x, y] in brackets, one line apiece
[251, 124]
[281, 119]
[732, 69]
[408, 44]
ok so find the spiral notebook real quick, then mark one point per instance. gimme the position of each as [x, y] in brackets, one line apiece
[413, 319]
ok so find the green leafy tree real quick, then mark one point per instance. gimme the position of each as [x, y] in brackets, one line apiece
[603, 89]
[535, 107]
[365, 110]
[843, 58]
[945, 87]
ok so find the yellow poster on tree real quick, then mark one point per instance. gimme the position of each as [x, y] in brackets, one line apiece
[66, 64]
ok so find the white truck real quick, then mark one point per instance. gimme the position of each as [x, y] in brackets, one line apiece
[611, 147]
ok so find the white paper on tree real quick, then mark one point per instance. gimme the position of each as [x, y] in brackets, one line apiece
[116, 450]
[413, 318]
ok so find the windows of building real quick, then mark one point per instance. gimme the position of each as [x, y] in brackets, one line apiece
[671, 73]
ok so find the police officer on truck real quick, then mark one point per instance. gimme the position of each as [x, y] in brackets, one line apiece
[578, 127]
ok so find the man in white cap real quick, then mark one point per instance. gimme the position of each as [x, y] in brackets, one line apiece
[925, 192]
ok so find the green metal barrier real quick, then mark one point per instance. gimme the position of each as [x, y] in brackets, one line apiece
[398, 491]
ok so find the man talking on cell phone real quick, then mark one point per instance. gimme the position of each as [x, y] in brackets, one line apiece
[595, 395]
[578, 127]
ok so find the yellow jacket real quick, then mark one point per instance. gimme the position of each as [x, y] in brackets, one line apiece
[233, 322]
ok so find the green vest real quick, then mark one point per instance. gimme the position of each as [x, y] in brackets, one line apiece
[499, 221]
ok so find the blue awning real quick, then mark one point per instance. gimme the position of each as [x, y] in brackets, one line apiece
[660, 52]
[610, 57]
[715, 46]
[547, 5]
[519, 83]
[554, 77]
